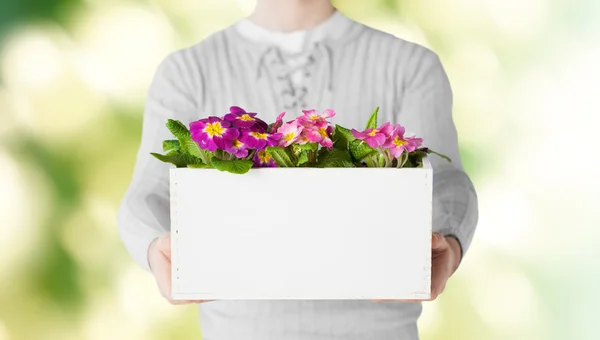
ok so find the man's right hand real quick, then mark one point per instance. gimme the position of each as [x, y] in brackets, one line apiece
[159, 258]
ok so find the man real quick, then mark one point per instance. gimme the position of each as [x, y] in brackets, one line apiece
[287, 56]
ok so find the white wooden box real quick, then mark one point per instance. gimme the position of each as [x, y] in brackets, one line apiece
[301, 233]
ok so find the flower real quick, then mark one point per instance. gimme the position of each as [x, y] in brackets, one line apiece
[388, 129]
[290, 133]
[237, 148]
[262, 159]
[319, 132]
[278, 123]
[397, 142]
[313, 116]
[373, 137]
[240, 118]
[413, 143]
[258, 139]
[213, 133]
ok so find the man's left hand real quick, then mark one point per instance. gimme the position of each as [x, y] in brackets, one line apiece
[445, 257]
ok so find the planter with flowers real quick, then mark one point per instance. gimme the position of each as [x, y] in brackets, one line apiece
[348, 218]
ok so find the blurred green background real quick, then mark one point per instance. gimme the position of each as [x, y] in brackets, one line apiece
[73, 77]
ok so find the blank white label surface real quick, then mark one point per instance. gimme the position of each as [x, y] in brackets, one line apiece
[301, 233]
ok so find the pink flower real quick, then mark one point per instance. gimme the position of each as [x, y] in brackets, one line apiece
[290, 133]
[397, 143]
[388, 129]
[413, 143]
[278, 123]
[373, 137]
[319, 132]
[314, 116]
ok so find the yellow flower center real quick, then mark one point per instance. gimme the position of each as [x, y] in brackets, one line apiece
[372, 133]
[314, 117]
[264, 156]
[237, 144]
[258, 135]
[323, 132]
[245, 117]
[289, 137]
[399, 142]
[214, 129]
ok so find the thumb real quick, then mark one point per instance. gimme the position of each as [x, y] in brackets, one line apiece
[164, 245]
[437, 241]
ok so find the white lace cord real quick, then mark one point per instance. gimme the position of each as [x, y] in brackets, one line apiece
[294, 96]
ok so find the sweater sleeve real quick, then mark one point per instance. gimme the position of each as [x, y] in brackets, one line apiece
[426, 110]
[144, 212]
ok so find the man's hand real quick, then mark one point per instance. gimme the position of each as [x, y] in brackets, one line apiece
[445, 257]
[159, 258]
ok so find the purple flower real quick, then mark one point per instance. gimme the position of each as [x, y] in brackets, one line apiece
[258, 139]
[237, 148]
[213, 133]
[240, 118]
[262, 159]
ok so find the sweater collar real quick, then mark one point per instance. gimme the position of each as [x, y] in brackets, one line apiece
[297, 41]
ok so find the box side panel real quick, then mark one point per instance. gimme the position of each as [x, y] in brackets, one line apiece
[301, 234]
[174, 216]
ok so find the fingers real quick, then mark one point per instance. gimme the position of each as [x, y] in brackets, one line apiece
[438, 241]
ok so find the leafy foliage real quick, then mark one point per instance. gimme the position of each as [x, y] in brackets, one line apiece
[234, 166]
[372, 123]
[281, 156]
[184, 151]
[359, 150]
[334, 158]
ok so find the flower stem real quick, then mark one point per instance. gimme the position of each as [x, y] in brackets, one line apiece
[400, 161]
[251, 154]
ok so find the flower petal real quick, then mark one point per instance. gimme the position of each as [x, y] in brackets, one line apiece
[327, 142]
[358, 134]
[396, 152]
[328, 113]
[231, 133]
[236, 110]
[312, 135]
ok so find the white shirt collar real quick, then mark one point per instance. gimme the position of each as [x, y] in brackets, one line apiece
[297, 41]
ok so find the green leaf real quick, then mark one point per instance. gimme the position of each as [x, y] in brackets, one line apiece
[372, 123]
[235, 166]
[197, 166]
[171, 145]
[334, 158]
[206, 156]
[360, 150]
[308, 146]
[342, 137]
[176, 159]
[415, 158]
[281, 157]
[303, 158]
[439, 154]
[178, 129]
[191, 147]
